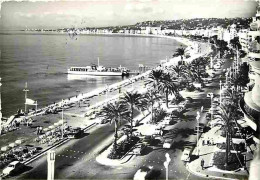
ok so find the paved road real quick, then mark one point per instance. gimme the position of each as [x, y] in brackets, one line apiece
[72, 154]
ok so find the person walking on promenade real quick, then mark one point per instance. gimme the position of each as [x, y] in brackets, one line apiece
[202, 163]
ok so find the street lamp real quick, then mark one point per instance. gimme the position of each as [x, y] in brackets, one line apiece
[25, 92]
[197, 118]
[166, 165]
[0, 109]
[220, 83]
[78, 91]
[211, 109]
[62, 126]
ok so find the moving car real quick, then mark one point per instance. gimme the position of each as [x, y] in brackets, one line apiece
[168, 143]
[12, 168]
[186, 155]
[75, 133]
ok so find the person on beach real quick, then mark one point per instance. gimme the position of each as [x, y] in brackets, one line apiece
[202, 163]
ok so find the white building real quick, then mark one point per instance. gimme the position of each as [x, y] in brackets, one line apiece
[243, 39]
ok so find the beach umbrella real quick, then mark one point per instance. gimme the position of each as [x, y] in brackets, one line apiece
[18, 142]
[48, 133]
[5, 148]
[12, 145]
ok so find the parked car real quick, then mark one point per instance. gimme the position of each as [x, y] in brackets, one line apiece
[147, 140]
[158, 131]
[217, 66]
[104, 121]
[189, 99]
[168, 143]
[139, 148]
[199, 128]
[186, 154]
[12, 168]
[146, 173]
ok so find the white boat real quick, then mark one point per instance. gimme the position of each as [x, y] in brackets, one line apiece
[97, 70]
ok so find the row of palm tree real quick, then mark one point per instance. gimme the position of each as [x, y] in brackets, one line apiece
[228, 112]
[159, 82]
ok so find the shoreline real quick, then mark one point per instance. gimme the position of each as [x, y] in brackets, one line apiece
[96, 92]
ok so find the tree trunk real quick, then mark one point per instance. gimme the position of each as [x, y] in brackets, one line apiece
[167, 98]
[115, 140]
[152, 112]
[227, 145]
[132, 118]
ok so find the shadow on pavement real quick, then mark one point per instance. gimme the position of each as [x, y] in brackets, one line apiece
[182, 144]
[22, 170]
[182, 132]
[193, 157]
[146, 151]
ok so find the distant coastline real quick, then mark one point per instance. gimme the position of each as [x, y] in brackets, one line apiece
[179, 39]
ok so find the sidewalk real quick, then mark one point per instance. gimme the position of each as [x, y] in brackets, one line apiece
[206, 153]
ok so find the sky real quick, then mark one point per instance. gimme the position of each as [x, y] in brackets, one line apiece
[100, 13]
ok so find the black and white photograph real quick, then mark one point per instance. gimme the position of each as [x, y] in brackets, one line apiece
[130, 89]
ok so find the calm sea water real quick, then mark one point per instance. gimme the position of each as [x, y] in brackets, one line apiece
[42, 60]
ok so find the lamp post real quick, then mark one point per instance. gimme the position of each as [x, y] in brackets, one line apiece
[211, 97]
[51, 164]
[198, 118]
[220, 98]
[0, 109]
[226, 74]
[62, 129]
[25, 92]
[211, 62]
[166, 165]
[78, 91]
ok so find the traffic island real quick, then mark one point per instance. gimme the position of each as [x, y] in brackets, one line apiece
[109, 158]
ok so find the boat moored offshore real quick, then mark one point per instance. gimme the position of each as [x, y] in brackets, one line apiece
[97, 70]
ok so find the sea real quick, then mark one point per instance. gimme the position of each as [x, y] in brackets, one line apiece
[41, 60]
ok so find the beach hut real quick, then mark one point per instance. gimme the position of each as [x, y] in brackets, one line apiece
[5, 148]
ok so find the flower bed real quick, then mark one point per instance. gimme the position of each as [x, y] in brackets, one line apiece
[219, 160]
[122, 148]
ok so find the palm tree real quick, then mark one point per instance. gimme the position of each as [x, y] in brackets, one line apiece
[114, 113]
[177, 69]
[227, 112]
[155, 76]
[149, 99]
[167, 86]
[134, 100]
[187, 73]
[180, 52]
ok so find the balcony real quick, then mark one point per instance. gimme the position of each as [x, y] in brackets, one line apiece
[250, 121]
[255, 54]
[254, 33]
